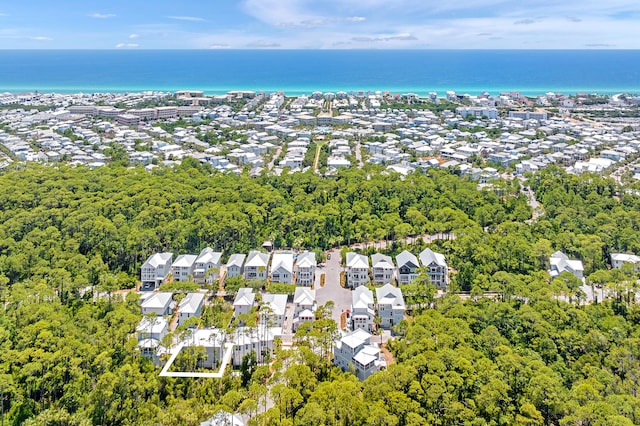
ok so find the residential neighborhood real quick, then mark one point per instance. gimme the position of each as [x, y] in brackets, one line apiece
[479, 136]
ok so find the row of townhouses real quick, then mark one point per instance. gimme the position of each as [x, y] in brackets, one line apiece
[382, 269]
[205, 267]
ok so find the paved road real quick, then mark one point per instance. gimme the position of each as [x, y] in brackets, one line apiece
[332, 291]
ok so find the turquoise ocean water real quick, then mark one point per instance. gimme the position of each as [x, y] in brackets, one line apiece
[530, 72]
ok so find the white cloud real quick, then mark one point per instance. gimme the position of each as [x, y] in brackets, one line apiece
[41, 38]
[101, 15]
[387, 37]
[127, 45]
[132, 36]
[219, 46]
[187, 18]
[264, 44]
[356, 19]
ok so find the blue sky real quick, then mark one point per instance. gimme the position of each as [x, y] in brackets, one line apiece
[320, 24]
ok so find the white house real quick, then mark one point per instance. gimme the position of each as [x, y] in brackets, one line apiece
[619, 259]
[362, 309]
[235, 265]
[212, 340]
[244, 301]
[304, 301]
[306, 269]
[407, 267]
[255, 268]
[160, 303]
[282, 268]
[151, 327]
[391, 305]
[155, 270]
[561, 263]
[357, 269]
[207, 266]
[254, 339]
[436, 267]
[183, 267]
[273, 309]
[151, 330]
[190, 306]
[355, 351]
[383, 269]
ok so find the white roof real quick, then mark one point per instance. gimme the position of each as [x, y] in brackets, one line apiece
[157, 300]
[282, 261]
[236, 259]
[185, 261]
[277, 302]
[356, 260]
[361, 297]
[191, 303]
[304, 296]
[624, 257]
[379, 260]
[244, 297]
[207, 255]
[158, 259]
[152, 325]
[427, 257]
[390, 295]
[356, 338]
[306, 259]
[206, 337]
[406, 257]
[257, 259]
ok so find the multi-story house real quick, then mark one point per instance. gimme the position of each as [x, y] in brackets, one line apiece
[362, 309]
[391, 305]
[306, 269]
[436, 267]
[207, 266]
[155, 270]
[183, 267]
[407, 267]
[357, 270]
[255, 268]
[383, 269]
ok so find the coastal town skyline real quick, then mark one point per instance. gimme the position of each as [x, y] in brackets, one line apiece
[298, 24]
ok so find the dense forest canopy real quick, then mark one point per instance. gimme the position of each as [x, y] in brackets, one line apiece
[526, 358]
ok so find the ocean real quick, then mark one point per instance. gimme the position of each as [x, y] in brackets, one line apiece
[295, 72]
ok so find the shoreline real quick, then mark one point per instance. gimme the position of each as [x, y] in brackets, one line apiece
[423, 92]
